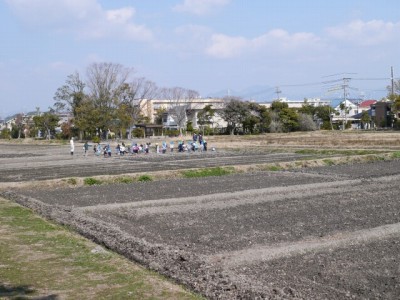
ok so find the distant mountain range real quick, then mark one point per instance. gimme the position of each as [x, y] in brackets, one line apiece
[257, 93]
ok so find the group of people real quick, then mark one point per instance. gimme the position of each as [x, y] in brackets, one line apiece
[198, 143]
[106, 150]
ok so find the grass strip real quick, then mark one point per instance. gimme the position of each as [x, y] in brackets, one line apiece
[218, 171]
[41, 259]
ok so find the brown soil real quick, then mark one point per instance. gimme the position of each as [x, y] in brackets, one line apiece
[312, 233]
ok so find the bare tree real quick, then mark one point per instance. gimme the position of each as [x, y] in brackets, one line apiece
[106, 83]
[306, 122]
[69, 96]
[143, 90]
[275, 125]
[19, 123]
[180, 104]
[135, 99]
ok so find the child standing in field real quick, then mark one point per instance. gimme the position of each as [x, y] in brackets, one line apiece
[71, 142]
[164, 147]
[86, 147]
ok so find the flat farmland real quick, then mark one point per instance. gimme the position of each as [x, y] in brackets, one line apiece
[36, 163]
[329, 232]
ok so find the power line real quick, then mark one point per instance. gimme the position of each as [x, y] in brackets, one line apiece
[387, 78]
[321, 83]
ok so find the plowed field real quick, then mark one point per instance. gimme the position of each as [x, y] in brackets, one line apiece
[315, 233]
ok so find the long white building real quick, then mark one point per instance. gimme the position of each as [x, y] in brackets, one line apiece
[299, 103]
[151, 107]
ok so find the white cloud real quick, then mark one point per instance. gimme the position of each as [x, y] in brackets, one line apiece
[200, 7]
[368, 33]
[121, 15]
[274, 41]
[191, 39]
[42, 12]
[224, 46]
[83, 18]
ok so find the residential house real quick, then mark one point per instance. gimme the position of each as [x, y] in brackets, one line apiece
[346, 111]
[382, 115]
[366, 105]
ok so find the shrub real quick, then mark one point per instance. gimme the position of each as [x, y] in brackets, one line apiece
[145, 178]
[138, 132]
[171, 132]
[275, 126]
[91, 181]
[306, 123]
[5, 134]
[207, 130]
[326, 125]
[96, 139]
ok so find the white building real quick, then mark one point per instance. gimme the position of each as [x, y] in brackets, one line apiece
[190, 109]
[299, 103]
[348, 111]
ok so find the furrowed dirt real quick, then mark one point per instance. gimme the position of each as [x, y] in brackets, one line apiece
[314, 233]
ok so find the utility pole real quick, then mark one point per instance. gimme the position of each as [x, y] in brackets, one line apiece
[392, 79]
[345, 86]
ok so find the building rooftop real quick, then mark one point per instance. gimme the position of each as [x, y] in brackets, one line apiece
[367, 103]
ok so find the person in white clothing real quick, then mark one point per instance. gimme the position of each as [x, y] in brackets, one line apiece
[72, 146]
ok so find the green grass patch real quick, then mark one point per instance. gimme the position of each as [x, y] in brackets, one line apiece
[143, 178]
[396, 154]
[218, 171]
[68, 268]
[328, 162]
[274, 168]
[91, 181]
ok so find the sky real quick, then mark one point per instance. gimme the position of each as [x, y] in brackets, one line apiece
[216, 47]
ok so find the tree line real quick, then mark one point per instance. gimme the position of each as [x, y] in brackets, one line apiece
[109, 98]
[251, 117]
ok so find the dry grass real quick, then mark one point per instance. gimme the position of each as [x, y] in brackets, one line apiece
[326, 139]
